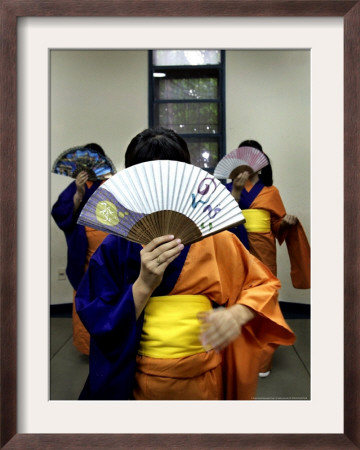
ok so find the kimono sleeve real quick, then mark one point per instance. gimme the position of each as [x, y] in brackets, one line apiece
[104, 299]
[259, 291]
[257, 288]
[63, 209]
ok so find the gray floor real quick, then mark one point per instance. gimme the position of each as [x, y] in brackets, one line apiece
[289, 379]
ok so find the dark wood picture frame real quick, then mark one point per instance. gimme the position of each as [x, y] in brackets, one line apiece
[11, 10]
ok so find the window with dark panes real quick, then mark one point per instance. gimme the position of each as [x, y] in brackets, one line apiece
[187, 95]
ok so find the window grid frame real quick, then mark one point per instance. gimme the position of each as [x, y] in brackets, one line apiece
[220, 69]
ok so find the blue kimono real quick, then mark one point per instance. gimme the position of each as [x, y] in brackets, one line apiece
[75, 235]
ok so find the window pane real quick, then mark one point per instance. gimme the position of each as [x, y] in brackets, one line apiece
[186, 57]
[204, 153]
[186, 88]
[188, 118]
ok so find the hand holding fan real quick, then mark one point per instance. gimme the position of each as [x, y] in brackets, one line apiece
[77, 159]
[240, 159]
[161, 197]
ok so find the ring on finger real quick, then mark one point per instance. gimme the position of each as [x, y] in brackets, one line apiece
[158, 261]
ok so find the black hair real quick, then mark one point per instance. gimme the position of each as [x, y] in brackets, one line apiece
[96, 147]
[266, 175]
[156, 143]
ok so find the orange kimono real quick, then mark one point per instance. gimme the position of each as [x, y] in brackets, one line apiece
[217, 269]
[263, 244]
[220, 268]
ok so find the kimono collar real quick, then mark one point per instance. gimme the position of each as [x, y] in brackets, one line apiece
[172, 274]
[247, 197]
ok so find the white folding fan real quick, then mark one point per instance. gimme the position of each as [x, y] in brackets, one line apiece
[243, 156]
[156, 198]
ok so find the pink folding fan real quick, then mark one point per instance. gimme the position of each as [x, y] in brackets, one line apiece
[248, 157]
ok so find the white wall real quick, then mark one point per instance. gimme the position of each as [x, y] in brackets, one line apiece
[268, 100]
[101, 96]
[96, 96]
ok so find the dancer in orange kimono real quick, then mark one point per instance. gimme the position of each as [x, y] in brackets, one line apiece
[81, 241]
[266, 222]
[169, 322]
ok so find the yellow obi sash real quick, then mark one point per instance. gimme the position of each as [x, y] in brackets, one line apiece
[171, 327]
[257, 220]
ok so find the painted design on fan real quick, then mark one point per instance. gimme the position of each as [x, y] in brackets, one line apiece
[204, 187]
[195, 203]
[209, 224]
[106, 213]
[76, 159]
[203, 190]
[212, 212]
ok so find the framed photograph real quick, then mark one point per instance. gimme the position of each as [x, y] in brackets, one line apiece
[15, 154]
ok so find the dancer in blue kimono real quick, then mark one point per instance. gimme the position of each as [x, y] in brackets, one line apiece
[81, 241]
